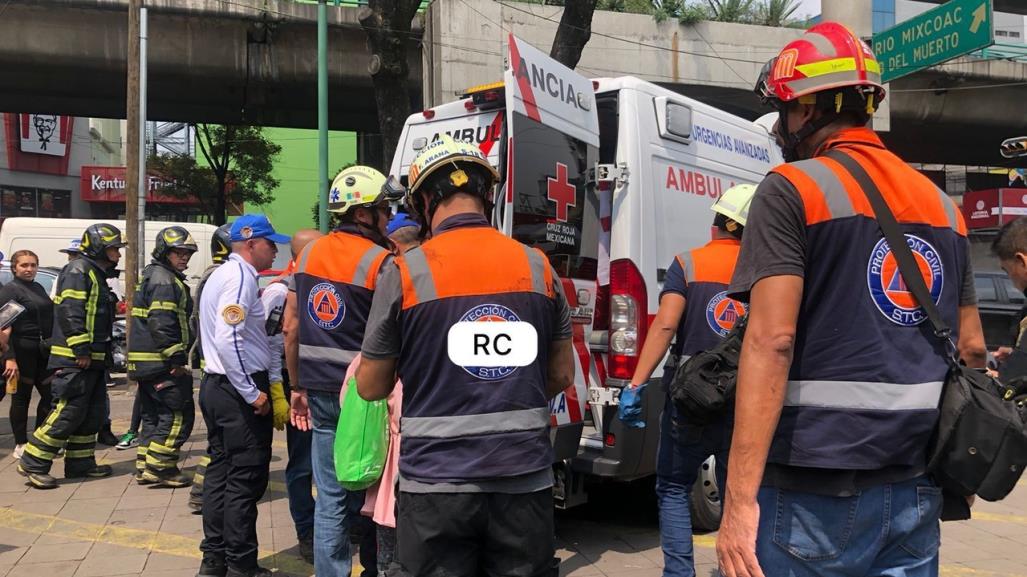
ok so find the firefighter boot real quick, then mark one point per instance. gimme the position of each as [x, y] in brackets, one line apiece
[97, 472]
[38, 480]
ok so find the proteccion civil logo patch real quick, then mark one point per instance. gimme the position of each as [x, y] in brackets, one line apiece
[325, 306]
[722, 313]
[888, 289]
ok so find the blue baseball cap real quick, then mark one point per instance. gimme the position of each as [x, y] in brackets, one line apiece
[400, 220]
[250, 226]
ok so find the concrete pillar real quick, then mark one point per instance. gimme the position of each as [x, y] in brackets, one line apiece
[856, 14]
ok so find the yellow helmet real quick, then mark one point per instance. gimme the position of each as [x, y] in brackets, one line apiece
[447, 153]
[354, 187]
[735, 201]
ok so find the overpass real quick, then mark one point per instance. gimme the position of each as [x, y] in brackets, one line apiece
[224, 61]
[941, 115]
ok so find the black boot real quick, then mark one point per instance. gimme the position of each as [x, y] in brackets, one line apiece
[97, 472]
[38, 480]
[257, 571]
[212, 567]
[106, 436]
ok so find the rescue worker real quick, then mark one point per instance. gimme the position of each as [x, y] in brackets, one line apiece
[220, 248]
[81, 347]
[404, 232]
[335, 279]
[1010, 246]
[235, 402]
[475, 465]
[158, 359]
[696, 313]
[298, 473]
[840, 376]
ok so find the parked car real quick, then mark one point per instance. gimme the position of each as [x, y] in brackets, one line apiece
[1000, 305]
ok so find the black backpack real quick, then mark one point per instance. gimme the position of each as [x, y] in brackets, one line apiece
[703, 388]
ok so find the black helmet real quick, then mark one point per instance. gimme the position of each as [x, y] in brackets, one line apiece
[221, 244]
[100, 237]
[173, 237]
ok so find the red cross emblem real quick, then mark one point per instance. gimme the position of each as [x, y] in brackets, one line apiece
[560, 191]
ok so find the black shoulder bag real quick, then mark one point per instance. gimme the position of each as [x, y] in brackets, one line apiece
[979, 446]
[703, 387]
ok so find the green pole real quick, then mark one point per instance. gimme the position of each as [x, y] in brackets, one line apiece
[322, 113]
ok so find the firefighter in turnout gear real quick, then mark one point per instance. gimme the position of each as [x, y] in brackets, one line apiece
[84, 317]
[157, 359]
[220, 248]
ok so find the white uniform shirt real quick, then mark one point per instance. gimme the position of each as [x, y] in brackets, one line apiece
[235, 343]
[273, 298]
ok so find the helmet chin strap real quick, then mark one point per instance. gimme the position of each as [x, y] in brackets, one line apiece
[790, 149]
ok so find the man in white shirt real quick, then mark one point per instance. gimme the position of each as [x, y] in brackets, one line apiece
[234, 401]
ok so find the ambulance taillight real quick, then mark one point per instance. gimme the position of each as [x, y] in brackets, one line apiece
[629, 318]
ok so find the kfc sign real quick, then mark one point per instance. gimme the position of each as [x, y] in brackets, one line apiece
[107, 184]
[43, 134]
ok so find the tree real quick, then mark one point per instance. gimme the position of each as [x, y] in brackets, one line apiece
[777, 13]
[387, 25]
[731, 10]
[574, 31]
[238, 164]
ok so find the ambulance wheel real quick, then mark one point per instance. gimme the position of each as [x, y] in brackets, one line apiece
[705, 501]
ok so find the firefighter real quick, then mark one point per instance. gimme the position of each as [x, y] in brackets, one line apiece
[158, 359]
[696, 313]
[220, 248]
[83, 324]
[475, 485]
[839, 378]
[334, 281]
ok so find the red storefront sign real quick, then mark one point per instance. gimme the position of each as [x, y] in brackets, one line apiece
[107, 184]
[994, 207]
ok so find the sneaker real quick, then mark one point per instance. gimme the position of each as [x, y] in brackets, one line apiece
[18, 451]
[127, 441]
[106, 437]
[38, 480]
[307, 549]
[97, 472]
[212, 567]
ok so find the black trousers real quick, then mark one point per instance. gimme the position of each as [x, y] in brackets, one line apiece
[32, 357]
[80, 401]
[168, 415]
[476, 535]
[239, 447]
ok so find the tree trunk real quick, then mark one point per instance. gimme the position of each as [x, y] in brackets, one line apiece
[387, 25]
[574, 31]
[220, 203]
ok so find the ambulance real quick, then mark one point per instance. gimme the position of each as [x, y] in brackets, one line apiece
[611, 178]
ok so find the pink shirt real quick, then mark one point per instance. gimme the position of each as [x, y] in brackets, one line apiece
[380, 499]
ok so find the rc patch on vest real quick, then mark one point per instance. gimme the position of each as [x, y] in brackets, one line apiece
[490, 342]
[233, 314]
[722, 313]
[888, 289]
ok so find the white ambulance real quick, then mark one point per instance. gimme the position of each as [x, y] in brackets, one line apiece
[611, 178]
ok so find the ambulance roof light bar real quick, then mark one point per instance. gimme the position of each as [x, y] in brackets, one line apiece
[486, 96]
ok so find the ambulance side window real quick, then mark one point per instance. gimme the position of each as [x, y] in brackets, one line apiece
[609, 127]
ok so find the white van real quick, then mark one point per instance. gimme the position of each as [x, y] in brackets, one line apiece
[47, 236]
[611, 178]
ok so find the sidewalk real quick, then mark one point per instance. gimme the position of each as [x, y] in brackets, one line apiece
[113, 527]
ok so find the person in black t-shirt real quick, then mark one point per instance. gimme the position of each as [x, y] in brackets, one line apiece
[29, 351]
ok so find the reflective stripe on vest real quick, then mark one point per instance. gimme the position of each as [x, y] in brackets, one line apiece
[865, 383]
[335, 279]
[463, 424]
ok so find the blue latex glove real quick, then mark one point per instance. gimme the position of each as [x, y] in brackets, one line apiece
[630, 409]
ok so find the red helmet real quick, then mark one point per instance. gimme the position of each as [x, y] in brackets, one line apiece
[828, 56]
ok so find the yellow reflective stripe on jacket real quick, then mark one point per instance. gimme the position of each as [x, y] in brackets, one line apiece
[172, 350]
[183, 302]
[140, 312]
[72, 294]
[68, 353]
[145, 357]
[163, 306]
[92, 304]
[78, 340]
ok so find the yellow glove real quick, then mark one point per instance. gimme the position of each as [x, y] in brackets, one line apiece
[279, 406]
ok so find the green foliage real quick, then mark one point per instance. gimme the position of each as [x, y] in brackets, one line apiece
[236, 167]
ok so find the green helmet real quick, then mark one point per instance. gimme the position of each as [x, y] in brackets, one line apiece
[100, 237]
[221, 244]
[173, 237]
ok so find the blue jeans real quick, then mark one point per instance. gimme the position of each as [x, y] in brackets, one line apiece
[886, 530]
[683, 448]
[335, 508]
[298, 481]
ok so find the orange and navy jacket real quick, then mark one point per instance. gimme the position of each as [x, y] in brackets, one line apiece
[867, 373]
[465, 424]
[702, 276]
[335, 280]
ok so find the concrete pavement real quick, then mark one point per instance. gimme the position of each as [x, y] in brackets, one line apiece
[114, 527]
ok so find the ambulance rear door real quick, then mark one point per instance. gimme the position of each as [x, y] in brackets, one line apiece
[553, 140]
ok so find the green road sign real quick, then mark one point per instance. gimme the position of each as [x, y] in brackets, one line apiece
[950, 30]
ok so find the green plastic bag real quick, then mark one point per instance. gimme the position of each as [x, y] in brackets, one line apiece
[361, 440]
